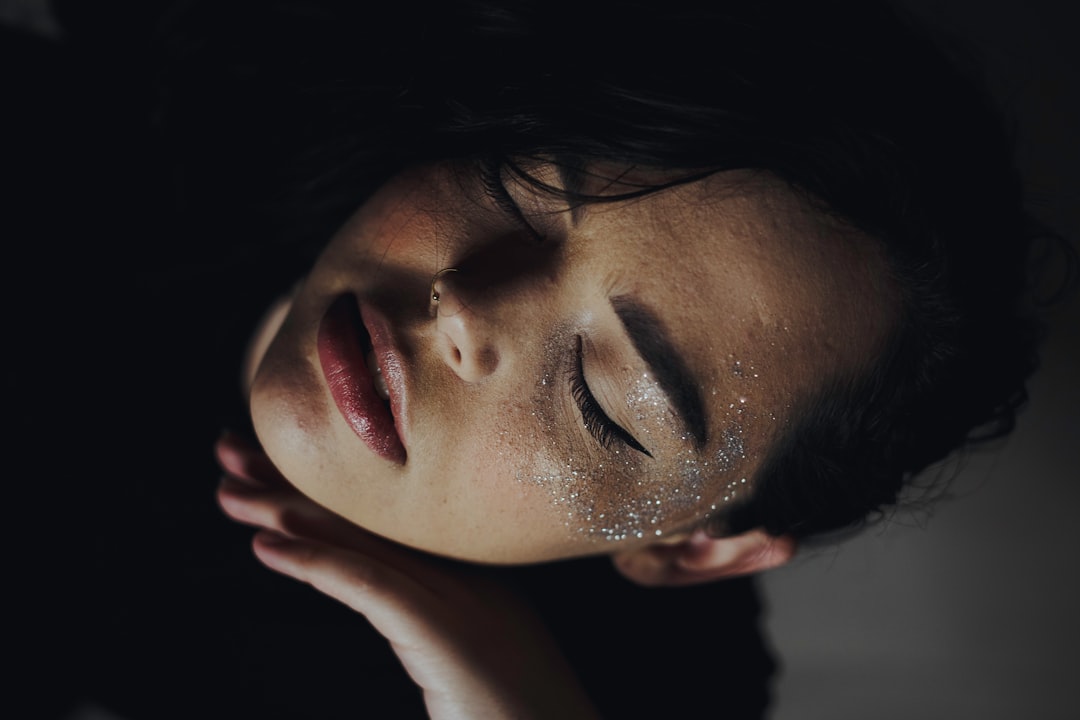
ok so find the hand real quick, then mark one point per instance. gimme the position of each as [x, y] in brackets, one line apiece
[473, 647]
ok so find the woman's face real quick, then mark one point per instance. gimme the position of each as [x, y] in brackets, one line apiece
[612, 384]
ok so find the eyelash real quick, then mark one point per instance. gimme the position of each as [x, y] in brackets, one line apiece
[599, 425]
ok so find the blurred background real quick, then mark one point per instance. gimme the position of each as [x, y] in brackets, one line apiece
[128, 588]
[968, 609]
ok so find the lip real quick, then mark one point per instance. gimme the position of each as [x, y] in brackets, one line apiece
[342, 332]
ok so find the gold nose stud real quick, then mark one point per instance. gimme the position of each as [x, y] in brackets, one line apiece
[435, 278]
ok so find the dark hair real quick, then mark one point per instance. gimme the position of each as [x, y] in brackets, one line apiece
[316, 104]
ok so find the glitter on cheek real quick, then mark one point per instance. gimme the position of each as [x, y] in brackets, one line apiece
[624, 498]
[732, 450]
[732, 455]
[620, 499]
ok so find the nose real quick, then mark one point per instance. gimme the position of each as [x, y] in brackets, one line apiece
[466, 337]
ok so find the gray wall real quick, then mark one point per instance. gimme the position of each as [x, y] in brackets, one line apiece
[970, 610]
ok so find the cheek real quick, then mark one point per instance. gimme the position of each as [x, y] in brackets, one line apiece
[471, 501]
[513, 446]
[620, 500]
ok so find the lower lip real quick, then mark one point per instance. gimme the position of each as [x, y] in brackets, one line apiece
[351, 384]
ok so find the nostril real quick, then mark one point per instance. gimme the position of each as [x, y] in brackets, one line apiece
[488, 359]
[465, 341]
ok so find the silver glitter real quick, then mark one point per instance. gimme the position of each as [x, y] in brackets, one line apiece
[732, 450]
[624, 498]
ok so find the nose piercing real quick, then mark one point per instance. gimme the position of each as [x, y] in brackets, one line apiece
[435, 278]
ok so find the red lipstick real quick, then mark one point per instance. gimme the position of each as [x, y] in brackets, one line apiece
[342, 344]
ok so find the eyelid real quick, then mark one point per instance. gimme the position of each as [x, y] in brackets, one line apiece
[596, 421]
[495, 188]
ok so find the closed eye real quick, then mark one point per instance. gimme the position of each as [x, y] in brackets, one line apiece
[495, 188]
[606, 431]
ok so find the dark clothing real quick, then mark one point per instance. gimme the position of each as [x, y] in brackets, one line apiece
[657, 652]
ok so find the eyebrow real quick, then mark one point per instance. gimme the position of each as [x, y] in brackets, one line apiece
[649, 337]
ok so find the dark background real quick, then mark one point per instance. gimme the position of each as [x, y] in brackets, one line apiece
[132, 596]
[125, 320]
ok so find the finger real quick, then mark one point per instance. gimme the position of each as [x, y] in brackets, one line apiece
[245, 461]
[248, 504]
[391, 599]
[287, 512]
[284, 510]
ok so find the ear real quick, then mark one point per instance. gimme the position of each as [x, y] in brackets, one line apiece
[698, 558]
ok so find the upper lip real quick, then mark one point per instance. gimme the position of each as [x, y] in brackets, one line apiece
[388, 356]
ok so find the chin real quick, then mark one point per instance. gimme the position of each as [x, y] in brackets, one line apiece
[291, 419]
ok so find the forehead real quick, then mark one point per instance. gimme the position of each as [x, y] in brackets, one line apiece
[741, 259]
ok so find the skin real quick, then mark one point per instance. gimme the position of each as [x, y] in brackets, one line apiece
[762, 297]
